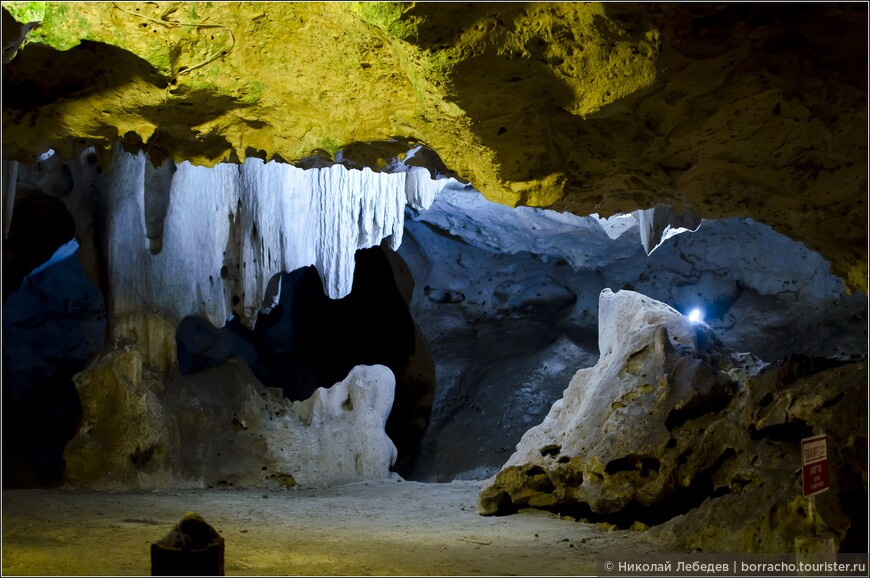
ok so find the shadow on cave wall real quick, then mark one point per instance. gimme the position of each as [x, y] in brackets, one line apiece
[53, 328]
[455, 18]
[309, 341]
[40, 77]
[54, 321]
[520, 103]
[41, 225]
[54, 324]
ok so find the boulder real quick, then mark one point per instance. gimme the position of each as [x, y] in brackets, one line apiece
[670, 427]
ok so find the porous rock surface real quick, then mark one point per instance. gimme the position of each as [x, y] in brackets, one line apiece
[719, 110]
[220, 426]
[671, 425]
[508, 300]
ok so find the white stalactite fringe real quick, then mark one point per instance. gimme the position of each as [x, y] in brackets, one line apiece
[229, 229]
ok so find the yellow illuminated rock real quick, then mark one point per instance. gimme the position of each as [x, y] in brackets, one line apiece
[754, 110]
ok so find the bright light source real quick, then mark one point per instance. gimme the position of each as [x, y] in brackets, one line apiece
[695, 315]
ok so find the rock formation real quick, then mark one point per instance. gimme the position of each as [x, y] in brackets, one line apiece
[53, 328]
[504, 353]
[165, 244]
[244, 224]
[507, 298]
[670, 420]
[747, 110]
[221, 427]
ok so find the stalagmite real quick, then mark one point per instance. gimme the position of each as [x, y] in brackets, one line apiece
[221, 427]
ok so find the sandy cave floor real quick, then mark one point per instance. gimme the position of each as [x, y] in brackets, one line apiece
[389, 527]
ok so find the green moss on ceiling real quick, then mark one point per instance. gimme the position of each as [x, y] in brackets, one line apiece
[25, 12]
[743, 110]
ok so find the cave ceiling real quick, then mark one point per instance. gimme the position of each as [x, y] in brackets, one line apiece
[751, 110]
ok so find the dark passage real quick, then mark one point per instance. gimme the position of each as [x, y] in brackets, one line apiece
[309, 340]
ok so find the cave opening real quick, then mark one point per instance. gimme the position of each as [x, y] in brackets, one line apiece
[54, 325]
[308, 341]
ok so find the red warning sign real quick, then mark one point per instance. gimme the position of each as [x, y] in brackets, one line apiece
[814, 452]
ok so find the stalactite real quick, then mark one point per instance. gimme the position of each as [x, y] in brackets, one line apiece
[227, 230]
[158, 183]
[10, 179]
[660, 223]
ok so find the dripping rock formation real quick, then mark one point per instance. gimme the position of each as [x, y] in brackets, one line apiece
[718, 110]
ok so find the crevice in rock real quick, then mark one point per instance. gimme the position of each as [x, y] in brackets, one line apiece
[853, 499]
[791, 431]
[716, 400]
[503, 505]
[642, 464]
[833, 401]
[539, 480]
[797, 366]
[677, 503]
[551, 450]
[684, 457]
[42, 224]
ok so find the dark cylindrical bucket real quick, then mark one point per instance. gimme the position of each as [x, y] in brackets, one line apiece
[192, 548]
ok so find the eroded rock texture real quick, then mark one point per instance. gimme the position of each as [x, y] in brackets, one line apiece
[760, 507]
[508, 300]
[722, 110]
[221, 427]
[671, 425]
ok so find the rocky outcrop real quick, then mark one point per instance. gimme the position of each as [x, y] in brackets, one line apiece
[723, 110]
[671, 425]
[127, 438]
[508, 300]
[759, 290]
[166, 243]
[221, 427]
[762, 509]
[193, 240]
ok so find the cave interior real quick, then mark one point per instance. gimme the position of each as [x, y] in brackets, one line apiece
[606, 262]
